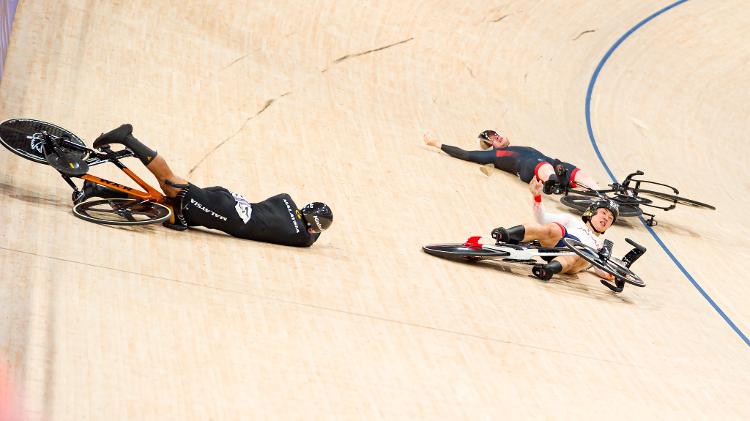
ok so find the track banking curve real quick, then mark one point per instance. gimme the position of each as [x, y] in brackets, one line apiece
[594, 144]
[154, 324]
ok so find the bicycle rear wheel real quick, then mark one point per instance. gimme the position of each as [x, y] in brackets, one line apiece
[676, 199]
[612, 265]
[22, 136]
[122, 212]
[581, 203]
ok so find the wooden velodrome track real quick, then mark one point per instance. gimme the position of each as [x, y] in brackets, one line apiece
[328, 100]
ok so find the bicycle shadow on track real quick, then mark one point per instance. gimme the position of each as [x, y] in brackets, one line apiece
[567, 284]
[30, 196]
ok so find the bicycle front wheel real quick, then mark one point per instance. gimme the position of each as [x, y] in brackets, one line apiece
[612, 265]
[122, 212]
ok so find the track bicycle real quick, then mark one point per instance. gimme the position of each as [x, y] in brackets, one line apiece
[631, 195]
[532, 253]
[49, 144]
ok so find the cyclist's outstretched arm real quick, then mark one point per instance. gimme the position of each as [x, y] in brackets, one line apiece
[543, 217]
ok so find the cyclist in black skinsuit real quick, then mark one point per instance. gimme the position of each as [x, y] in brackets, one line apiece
[274, 220]
[523, 161]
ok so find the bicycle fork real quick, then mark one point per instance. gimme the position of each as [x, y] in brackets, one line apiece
[630, 258]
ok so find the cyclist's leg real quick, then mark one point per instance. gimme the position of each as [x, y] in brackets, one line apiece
[548, 235]
[543, 170]
[579, 176]
[159, 168]
[560, 264]
[574, 264]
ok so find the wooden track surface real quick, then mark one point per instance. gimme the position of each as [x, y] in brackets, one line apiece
[328, 100]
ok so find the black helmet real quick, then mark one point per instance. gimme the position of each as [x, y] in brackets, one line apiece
[484, 138]
[608, 204]
[318, 216]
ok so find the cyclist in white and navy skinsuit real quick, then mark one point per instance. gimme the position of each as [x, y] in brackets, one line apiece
[570, 226]
[550, 230]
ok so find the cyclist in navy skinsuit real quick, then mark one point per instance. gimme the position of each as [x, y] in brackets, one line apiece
[523, 161]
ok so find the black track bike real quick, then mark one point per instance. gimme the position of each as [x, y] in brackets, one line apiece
[632, 195]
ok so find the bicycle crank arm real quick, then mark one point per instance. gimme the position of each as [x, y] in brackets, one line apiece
[617, 288]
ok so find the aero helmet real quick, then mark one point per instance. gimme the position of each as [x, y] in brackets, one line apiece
[484, 138]
[318, 216]
[608, 204]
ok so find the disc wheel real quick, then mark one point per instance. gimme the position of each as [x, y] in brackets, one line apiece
[676, 199]
[122, 212]
[612, 265]
[460, 252]
[22, 136]
[581, 203]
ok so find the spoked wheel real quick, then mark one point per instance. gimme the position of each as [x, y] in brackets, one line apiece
[611, 265]
[122, 212]
[628, 208]
[676, 199]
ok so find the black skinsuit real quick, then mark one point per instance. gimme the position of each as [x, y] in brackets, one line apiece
[274, 220]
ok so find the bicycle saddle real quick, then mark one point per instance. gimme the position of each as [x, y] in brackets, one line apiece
[66, 161]
[119, 135]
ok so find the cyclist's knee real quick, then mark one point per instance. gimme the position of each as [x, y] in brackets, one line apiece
[554, 232]
[543, 170]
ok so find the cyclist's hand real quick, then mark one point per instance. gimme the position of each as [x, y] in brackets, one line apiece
[535, 187]
[430, 141]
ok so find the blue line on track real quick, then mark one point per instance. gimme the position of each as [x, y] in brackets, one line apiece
[590, 89]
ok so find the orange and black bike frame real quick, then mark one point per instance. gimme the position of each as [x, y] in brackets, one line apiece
[150, 193]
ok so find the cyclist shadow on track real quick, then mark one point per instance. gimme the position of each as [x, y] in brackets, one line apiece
[585, 286]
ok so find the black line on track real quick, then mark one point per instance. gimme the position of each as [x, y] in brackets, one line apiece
[335, 310]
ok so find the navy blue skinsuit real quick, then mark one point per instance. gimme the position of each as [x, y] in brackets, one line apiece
[518, 160]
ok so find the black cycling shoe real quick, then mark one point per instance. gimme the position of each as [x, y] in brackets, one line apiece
[546, 271]
[512, 235]
[541, 272]
[500, 235]
[123, 135]
[552, 186]
[91, 189]
[557, 183]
